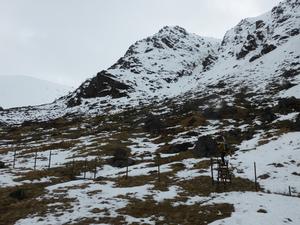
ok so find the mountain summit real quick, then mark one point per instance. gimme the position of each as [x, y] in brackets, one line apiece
[154, 66]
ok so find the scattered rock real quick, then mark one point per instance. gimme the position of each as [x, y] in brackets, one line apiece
[297, 123]
[264, 176]
[262, 211]
[287, 105]
[153, 124]
[267, 48]
[2, 165]
[121, 158]
[254, 57]
[290, 73]
[206, 147]
[176, 148]
[259, 24]
[191, 134]
[209, 60]
[277, 165]
[294, 32]
[267, 115]
[249, 45]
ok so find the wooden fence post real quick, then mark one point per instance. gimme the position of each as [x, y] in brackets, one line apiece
[255, 176]
[73, 168]
[35, 157]
[95, 171]
[290, 191]
[126, 176]
[50, 154]
[212, 171]
[85, 168]
[158, 166]
[14, 161]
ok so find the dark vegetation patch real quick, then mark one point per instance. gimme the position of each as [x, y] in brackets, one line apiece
[166, 213]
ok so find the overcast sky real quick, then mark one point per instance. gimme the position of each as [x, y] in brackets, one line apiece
[68, 41]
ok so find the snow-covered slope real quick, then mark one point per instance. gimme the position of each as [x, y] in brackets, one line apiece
[259, 56]
[17, 91]
[157, 66]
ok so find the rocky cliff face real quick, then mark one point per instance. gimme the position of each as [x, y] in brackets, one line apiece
[255, 37]
[151, 66]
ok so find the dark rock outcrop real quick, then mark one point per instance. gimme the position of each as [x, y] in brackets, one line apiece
[2, 165]
[249, 45]
[209, 60]
[267, 115]
[254, 57]
[294, 32]
[153, 124]
[267, 48]
[101, 85]
[176, 148]
[206, 147]
[291, 73]
[287, 105]
[259, 24]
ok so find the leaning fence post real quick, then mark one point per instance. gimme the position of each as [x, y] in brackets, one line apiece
[14, 161]
[212, 171]
[255, 176]
[35, 157]
[50, 154]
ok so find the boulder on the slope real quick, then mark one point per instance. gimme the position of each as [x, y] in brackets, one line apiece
[287, 105]
[297, 123]
[176, 148]
[120, 158]
[2, 165]
[153, 124]
[267, 115]
[205, 147]
[267, 48]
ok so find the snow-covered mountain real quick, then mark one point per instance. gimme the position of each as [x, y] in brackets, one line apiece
[160, 65]
[17, 91]
[260, 55]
